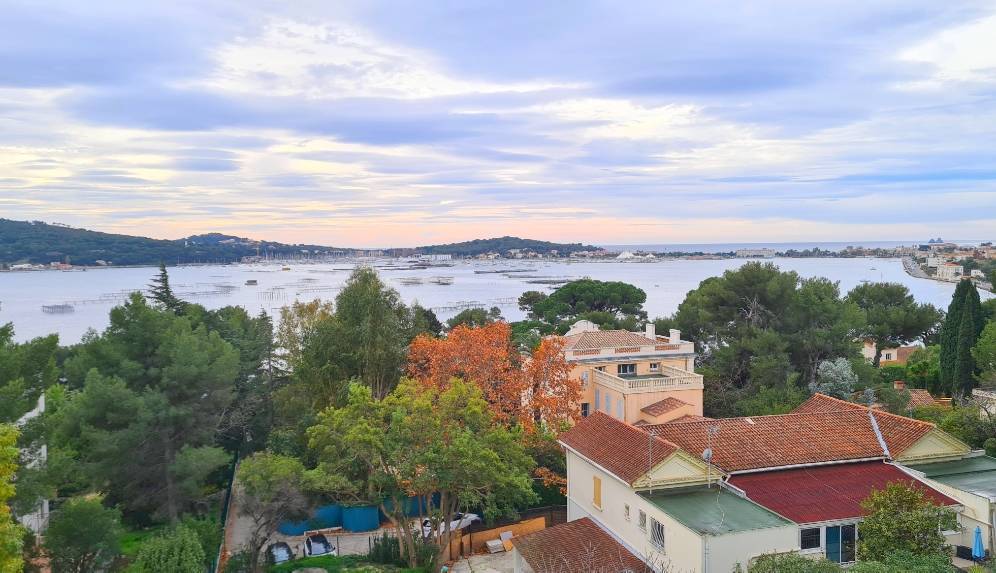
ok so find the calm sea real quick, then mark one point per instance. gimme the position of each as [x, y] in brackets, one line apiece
[93, 293]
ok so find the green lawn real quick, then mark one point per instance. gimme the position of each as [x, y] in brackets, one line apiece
[340, 565]
[132, 540]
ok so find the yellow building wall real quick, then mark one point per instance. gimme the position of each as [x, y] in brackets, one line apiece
[935, 445]
[684, 547]
[634, 402]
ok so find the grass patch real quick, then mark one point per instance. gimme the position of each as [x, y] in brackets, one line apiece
[349, 564]
[132, 540]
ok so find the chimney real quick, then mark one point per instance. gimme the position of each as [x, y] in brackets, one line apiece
[899, 385]
[674, 336]
[651, 331]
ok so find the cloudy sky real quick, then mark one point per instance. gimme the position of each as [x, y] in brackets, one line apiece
[404, 123]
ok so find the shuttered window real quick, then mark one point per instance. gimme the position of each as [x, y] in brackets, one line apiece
[596, 496]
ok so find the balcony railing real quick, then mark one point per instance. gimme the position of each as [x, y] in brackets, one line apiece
[669, 378]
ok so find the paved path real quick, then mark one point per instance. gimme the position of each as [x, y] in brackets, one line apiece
[496, 563]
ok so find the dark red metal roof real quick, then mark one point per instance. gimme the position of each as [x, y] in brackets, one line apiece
[825, 493]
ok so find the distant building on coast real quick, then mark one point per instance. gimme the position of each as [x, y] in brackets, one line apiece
[755, 253]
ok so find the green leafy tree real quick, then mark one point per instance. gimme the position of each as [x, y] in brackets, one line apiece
[365, 339]
[984, 354]
[26, 370]
[11, 534]
[923, 369]
[270, 493]
[905, 562]
[892, 316]
[821, 326]
[178, 551]
[599, 301]
[474, 317]
[416, 442]
[901, 517]
[791, 563]
[155, 391]
[82, 536]
[965, 307]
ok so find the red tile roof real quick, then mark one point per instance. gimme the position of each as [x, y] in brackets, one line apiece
[664, 406]
[689, 418]
[579, 545]
[824, 403]
[792, 439]
[920, 398]
[595, 339]
[825, 493]
[621, 449]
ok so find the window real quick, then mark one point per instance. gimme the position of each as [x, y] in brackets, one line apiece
[626, 369]
[585, 409]
[598, 400]
[619, 409]
[657, 533]
[642, 520]
[596, 495]
[840, 543]
[626, 511]
[600, 368]
[655, 366]
[608, 404]
[809, 538]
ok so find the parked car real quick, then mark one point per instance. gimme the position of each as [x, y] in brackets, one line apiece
[280, 552]
[460, 520]
[318, 544]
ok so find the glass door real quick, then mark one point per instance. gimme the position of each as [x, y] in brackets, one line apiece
[841, 543]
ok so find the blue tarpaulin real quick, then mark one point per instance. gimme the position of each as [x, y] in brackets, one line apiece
[978, 551]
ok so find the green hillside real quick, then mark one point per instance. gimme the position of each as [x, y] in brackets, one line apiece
[41, 243]
[503, 245]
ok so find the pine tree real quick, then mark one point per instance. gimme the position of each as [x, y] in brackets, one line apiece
[162, 293]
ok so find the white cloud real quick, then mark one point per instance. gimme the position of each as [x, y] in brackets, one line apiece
[965, 53]
[337, 60]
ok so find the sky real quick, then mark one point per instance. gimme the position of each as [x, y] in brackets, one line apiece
[417, 122]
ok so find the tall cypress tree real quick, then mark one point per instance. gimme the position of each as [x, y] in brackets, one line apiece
[963, 376]
[962, 326]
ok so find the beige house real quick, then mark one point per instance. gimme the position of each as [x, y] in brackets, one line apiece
[636, 377]
[949, 272]
[701, 496]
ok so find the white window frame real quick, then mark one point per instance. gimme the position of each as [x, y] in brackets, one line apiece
[642, 520]
[658, 535]
[819, 535]
[655, 366]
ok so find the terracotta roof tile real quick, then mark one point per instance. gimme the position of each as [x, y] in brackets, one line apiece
[790, 439]
[920, 398]
[593, 340]
[824, 403]
[664, 406]
[579, 545]
[825, 493]
[611, 444]
[689, 418]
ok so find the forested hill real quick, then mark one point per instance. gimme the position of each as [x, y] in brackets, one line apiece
[503, 245]
[42, 243]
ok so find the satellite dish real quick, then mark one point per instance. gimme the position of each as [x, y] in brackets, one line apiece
[707, 454]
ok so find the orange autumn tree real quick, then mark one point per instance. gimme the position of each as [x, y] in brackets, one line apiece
[522, 390]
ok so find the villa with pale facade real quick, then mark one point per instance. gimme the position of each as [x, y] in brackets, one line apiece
[636, 377]
[701, 495]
